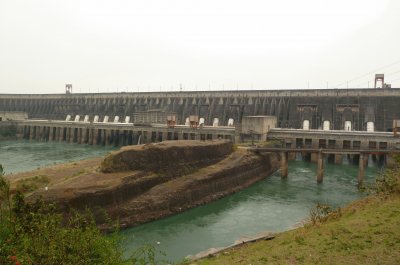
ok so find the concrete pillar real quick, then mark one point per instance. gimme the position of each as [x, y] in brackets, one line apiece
[145, 137]
[361, 169]
[284, 164]
[292, 156]
[47, 133]
[314, 157]
[180, 135]
[60, 132]
[90, 138]
[68, 134]
[51, 133]
[72, 135]
[107, 135]
[81, 135]
[320, 169]
[25, 132]
[315, 143]
[164, 136]
[120, 138]
[32, 130]
[339, 144]
[40, 134]
[364, 145]
[85, 135]
[95, 136]
[102, 137]
[124, 135]
[338, 159]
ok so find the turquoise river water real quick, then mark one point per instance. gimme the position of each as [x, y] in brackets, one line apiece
[24, 155]
[272, 204]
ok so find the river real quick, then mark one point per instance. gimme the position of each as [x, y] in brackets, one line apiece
[272, 204]
[24, 155]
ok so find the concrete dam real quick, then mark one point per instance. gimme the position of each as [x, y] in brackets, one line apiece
[339, 109]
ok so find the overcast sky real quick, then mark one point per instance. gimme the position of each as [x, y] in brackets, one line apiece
[153, 45]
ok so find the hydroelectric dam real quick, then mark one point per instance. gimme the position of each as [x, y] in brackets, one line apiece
[353, 109]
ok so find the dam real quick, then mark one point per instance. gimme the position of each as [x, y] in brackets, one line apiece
[339, 109]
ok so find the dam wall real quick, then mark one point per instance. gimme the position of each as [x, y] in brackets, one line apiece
[338, 108]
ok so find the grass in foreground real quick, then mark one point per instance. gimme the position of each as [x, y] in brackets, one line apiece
[365, 232]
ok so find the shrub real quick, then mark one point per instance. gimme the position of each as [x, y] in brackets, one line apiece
[36, 234]
[322, 212]
[389, 181]
[32, 183]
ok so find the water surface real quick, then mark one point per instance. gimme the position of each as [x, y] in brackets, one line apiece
[270, 205]
[25, 155]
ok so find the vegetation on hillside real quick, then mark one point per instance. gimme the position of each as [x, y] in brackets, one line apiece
[36, 234]
[365, 232]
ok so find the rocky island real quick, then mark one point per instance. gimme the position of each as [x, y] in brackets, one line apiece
[141, 183]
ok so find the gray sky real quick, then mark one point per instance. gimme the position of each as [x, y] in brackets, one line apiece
[153, 45]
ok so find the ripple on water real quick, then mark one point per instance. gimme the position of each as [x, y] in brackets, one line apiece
[24, 155]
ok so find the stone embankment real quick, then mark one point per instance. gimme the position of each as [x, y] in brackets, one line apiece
[142, 183]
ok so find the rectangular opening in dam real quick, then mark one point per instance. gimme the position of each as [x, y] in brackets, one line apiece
[382, 145]
[299, 142]
[322, 143]
[372, 145]
[308, 143]
[356, 144]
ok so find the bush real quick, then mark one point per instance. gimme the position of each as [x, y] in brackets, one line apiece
[389, 181]
[36, 234]
[322, 212]
[32, 183]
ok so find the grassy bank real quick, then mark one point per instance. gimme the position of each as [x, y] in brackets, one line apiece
[364, 232]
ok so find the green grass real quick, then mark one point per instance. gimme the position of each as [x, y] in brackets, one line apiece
[368, 232]
[32, 183]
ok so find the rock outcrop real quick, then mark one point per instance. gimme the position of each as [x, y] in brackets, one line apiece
[138, 184]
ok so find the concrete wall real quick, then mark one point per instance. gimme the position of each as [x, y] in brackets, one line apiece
[117, 134]
[257, 127]
[13, 115]
[291, 107]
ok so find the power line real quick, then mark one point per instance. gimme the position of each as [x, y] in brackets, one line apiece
[394, 80]
[394, 73]
[367, 81]
[371, 72]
